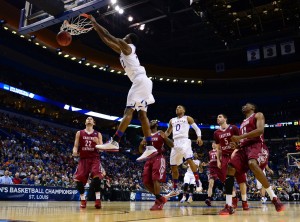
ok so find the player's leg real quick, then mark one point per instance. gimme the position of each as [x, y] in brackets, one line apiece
[237, 163]
[229, 183]
[192, 189]
[257, 152]
[150, 149]
[186, 181]
[96, 173]
[176, 158]
[113, 144]
[188, 155]
[158, 175]
[210, 190]
[97, 184]
[80, 177]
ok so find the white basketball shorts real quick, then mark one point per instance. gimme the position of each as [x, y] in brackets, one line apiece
[189, 178]
[140, 93]
[182, 149]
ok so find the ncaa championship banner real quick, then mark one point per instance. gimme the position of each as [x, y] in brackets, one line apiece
[144, 196]
[37, 193]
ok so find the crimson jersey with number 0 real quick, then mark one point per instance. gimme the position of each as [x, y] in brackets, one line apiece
[87, 145]
[247, 126]
[222, 137]
[213, 158]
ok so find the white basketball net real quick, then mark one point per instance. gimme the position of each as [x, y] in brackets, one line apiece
[294, 159]
[77, 25]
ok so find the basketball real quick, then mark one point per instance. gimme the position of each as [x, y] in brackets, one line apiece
[64, 38]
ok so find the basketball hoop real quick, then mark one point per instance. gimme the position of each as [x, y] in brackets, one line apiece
[77, 25]
[294, 159]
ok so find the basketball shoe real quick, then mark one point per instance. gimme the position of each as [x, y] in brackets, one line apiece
[110, 146]
[245, 205]
[83, 204]
[208, 202]
[235, 201]
[159, 203]
[183, 199]
[190, 200]
[278, 205]
[173, 193]
[148, 154]
[227, 210]
[263, 200]
[98, 204]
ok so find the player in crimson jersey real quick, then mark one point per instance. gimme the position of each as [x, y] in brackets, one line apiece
[213, 172]
[224, 148]
[252, 154]
[155, 168]
[89, 162]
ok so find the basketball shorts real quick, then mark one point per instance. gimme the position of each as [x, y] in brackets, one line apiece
[140, 93]
[258, 184]
[189, 178]
[213, 173]
[258, 151]
[182, 149]
[155, 169]
[88, 167]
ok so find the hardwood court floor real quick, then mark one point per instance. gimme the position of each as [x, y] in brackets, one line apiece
[139, 211]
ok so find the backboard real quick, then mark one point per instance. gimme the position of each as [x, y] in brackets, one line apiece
[34, 18]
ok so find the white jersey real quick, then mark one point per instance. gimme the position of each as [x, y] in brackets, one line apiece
[180, 127]
[131, 64]
[197, 162]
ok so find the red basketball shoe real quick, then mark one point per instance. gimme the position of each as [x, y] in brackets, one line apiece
[98, 204]
[83, 204]
[245, 205]
[278, 205]
[227, 210]
[235, 201]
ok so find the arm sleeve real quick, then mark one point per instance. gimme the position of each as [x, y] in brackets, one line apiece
[197, 130]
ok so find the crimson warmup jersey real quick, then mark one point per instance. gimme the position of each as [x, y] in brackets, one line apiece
[222, 137]
[87, 145]
[247, 126]
[158, 142]
[213, 158]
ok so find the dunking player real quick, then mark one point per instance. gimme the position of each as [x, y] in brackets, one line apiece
[224, 150]
[140, 93]
[189, 180]
[89, 162]
[253, 154]
[155, 168]
[182, 145]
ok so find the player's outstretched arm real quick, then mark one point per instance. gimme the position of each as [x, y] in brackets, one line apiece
[197, 130]
[76, 143]
[169, 130]
[142, 145]
[114, 43]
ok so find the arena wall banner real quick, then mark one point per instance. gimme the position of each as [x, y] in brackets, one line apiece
[37, 193]
[144, 196]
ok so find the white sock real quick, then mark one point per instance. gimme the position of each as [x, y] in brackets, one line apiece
[82, 197]
[244, 197]
[233, 193]
[229, 200]
[270, 192]
[97, 195]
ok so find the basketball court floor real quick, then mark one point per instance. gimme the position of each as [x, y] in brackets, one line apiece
[139, 211]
